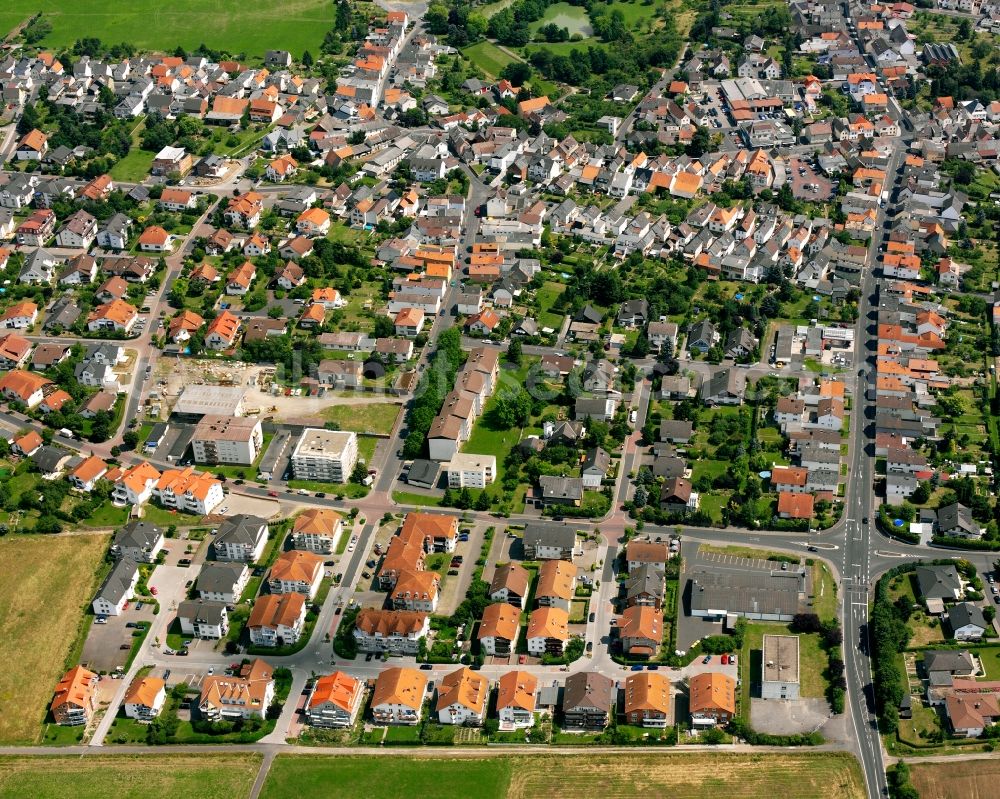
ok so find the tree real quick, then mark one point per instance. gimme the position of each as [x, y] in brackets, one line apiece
[436, 18]
[307, 59]
[517, 72]
[512, 409]
[359, 473]
[514, 352]
[483, 502]
[384, 327]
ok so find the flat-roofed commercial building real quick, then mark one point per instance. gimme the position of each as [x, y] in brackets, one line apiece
[780, 662]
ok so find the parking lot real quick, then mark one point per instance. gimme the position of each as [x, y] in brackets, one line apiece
[693, 628]
[102, 651]
[804, 177]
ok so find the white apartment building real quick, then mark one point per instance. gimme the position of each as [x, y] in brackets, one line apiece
[227, 439]
[468, 470]
[326, 455]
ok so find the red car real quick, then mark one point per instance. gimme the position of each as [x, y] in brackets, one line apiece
[152, 590]
[272, 493]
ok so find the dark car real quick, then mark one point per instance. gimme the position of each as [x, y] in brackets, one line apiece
[426, 667]
[812, 549]
[337, 611]
[592, 617]
[320, 495]
[368, 658]
[864, 520]
[590, 646]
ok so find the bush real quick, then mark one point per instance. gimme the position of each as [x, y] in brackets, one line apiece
[742, 729]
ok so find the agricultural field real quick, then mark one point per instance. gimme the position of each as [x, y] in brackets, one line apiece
[100, 776]
[307, 777]
[804, 776]
[47, 584]
[944, 780]
[228, 25]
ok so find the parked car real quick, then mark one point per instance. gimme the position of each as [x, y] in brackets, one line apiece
[706, 659]
[426, 667]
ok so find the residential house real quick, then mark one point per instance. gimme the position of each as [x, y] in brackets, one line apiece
[247, 694]
[462, 698]
[587, 700]
[241, 538]
[277, 619]
[398, 696]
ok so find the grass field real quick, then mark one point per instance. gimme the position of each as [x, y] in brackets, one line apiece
[682, 776]
[376, 418]
[944, 780]
[229, 25]
[488, 57]
[134, 167]
[47, 582]
[124, 777]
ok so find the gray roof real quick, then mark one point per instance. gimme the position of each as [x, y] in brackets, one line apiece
[423, 472]
[675, 428]
[49, 459]
[948, 660]
[138, 534]
[744, 592]
[966, 613]
[647, 579]
[118, 581]
[549, 535]
[957, 517]
[938, 582]
[561, 487]
[219, 578]
[240, 529]
[202, 610]
[588, 689]
[598, 459]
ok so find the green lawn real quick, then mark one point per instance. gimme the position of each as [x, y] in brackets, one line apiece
[824, 592]
[349, 490]
[108, 516]
[488, 57]
[546, 296]
[164, 517]
[229, 25]
[407, 498]
[134, 167]
[377, 417]
[306, 777]
[207, 776]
